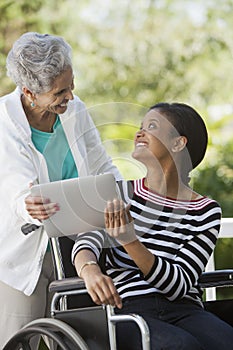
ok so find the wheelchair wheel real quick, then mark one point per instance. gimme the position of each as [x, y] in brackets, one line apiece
[60, 336]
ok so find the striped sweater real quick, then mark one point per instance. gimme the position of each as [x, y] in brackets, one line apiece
[180, 234]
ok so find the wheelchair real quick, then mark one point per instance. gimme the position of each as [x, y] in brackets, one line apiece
[77, 323]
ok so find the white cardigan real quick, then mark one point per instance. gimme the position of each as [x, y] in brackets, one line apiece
[21, 256]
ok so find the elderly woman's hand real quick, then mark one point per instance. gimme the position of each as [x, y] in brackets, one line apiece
[119, 223]
[40, 208]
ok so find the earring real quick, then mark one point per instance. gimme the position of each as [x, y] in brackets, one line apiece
[32, 104]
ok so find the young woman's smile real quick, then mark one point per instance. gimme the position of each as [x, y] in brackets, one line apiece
[153, 140]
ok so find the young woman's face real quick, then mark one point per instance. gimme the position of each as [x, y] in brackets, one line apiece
[56, 100]
[155, 138]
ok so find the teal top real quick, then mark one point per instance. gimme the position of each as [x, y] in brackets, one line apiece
[56, 150]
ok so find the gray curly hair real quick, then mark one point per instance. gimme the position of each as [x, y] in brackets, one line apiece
[35, 60]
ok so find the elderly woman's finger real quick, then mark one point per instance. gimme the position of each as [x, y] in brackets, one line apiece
[40, 208]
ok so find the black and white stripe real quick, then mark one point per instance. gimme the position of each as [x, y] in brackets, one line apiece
[180, 234]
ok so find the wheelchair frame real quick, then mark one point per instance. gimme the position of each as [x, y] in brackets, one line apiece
[88, 326]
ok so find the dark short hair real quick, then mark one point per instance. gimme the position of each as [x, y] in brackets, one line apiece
[187, 122]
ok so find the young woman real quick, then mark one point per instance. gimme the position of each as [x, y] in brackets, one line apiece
[160, 241]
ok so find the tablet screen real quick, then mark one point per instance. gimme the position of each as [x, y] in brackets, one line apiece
[81, 200]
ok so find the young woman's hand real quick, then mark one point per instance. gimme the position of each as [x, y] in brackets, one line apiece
[119, 223]
[100, 287]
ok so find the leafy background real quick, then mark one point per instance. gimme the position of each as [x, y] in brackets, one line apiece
[129, 55]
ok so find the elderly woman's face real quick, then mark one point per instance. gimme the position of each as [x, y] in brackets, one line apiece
[56, 100]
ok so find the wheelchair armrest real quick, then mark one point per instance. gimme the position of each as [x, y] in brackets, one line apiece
[67, 284]
[217, 278]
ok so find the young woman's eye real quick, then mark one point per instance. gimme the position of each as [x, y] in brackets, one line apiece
[140, 128]
[152, 126]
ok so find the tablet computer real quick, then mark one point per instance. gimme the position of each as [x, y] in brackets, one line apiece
[81, 200]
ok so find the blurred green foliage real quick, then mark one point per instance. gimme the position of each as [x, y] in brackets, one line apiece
[128, 56]
[215, 178]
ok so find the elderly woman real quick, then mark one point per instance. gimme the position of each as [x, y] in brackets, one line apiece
[46, 135]
[160, 242]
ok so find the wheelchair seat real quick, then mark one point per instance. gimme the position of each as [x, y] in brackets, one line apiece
[77, 323]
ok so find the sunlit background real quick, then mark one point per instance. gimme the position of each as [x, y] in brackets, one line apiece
[127, 56]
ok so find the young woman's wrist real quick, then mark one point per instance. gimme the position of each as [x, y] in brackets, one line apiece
[87, 263]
